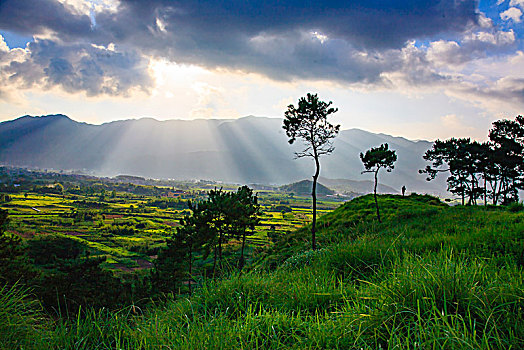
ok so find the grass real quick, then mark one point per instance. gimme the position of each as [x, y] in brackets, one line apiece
[429, 277]
[20, 317]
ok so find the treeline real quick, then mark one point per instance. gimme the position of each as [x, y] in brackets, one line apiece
[204, 233]
[165, 203]
[490, 171]
[22, 180]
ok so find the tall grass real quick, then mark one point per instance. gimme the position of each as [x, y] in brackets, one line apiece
[20, 318]
[429, 277]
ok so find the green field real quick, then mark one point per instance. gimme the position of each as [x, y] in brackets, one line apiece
[128, 230]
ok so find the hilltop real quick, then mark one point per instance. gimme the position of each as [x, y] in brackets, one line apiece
[303, 188]
[429, 276]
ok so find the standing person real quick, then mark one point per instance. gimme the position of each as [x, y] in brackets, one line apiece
[403, 190]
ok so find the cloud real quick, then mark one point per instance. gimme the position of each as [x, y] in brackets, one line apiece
[45, 16]
[456, 123]
[519, 3]
[105, 47]
[512, 13]
[498, 86]
[333, 40]
[74, 67]
[475, 44]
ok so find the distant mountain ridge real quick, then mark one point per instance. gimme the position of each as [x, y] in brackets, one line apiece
[246, 150]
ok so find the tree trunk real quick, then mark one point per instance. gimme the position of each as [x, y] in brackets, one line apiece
[471, 200]
[214, 260]
[495, 192]
[314, 196]
[485, 191]
[190, 267]
[375, 195]
[220, 249]
[241, 262]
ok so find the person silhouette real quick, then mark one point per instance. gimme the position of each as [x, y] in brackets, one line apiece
[403, 190]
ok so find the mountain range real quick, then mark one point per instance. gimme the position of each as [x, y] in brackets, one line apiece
[246, 150]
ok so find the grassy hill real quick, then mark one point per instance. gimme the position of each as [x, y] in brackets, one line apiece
[429, 277]
[303, 188]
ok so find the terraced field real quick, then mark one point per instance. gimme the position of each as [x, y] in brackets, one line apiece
[128, 231]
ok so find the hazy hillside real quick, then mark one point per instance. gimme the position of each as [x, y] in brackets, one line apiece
[304, 188]
[245, 150]
[364, 186]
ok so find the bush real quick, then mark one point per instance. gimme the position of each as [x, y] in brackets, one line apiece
[516, 207]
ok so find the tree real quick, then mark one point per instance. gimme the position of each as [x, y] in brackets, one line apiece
[170, 267]
[308, 121]
[245, 216]
[507, 139]
[14, 264]
[4, 220]
[452, 155]
[69, 278]
[218, 209]
[212, 221]
[375, 159]
[498, 162]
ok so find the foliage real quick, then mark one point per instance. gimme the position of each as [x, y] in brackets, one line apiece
[14, 264]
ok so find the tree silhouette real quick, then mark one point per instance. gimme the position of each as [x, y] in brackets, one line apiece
[507, 139]
[450, 155]
[308, 121]
[499, 163]
[174, 264]
[375, 159]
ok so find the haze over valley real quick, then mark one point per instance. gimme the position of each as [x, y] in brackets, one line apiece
[246, 150]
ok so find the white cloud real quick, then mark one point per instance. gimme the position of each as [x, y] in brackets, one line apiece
[485, 22]
[3, 45]
[498, 38]
[443, 52]
[456, 123]
[512, 13]
[519, 3]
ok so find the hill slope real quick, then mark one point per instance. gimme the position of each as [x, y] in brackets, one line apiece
[430, 277]
[245, 150]
[363, 186]
[304, 188]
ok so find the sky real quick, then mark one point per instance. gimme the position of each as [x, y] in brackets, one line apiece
[416, 68]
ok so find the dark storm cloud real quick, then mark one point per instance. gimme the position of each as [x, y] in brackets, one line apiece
[276, 38]
[366, 23]
[36, 16]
